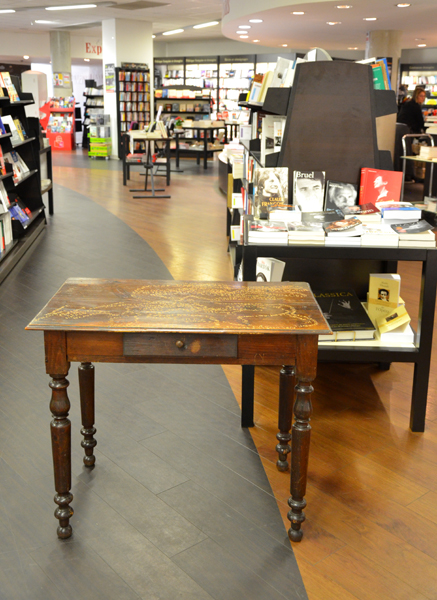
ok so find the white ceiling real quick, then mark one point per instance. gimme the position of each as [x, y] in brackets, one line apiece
[418, 22]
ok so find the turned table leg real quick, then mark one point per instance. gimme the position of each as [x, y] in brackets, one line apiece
[286, 397]
[61, 449]
[86, 389]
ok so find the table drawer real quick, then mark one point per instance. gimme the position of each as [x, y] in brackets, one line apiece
[178, 345]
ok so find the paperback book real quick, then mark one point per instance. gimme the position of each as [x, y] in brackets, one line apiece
[367, 213]
[410, 231]
[345, 227]
[400, 213]
[345, 314]
[270, 189]
[383, 296]
[285, 212]
[339, 195]
[269, 269]
[378, 184]
[381, 234]
[308, 190]
[322, 217]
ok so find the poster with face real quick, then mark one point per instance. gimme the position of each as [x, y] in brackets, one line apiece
[340, 195]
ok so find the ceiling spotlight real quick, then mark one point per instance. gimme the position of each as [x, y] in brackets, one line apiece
[344, 6]
[153, 36]
[86, 59]
[202, 25]
[71, 7]
[244, 37]
[353, 48]
[6, 10]
[245, 27]
[298, 13]
[421, 45]
[284, 45]
[333, 22]
[25, 57]
[241, 31]
[255, 20]
[370, 19]
[403, 5]
[43, 22]
[173, 31]
[255, 40]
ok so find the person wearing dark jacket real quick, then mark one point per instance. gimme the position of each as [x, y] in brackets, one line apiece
[411, 111]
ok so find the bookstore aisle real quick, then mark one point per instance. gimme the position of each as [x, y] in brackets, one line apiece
[178, 505]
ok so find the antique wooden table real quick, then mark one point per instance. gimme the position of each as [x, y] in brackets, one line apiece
[136, 321]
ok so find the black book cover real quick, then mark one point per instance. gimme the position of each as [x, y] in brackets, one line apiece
[343, 310]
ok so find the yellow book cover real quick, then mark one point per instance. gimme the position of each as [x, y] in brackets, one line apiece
[395, 319]
[383, 297]
[19, 129]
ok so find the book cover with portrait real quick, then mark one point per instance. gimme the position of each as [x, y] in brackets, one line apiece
[309, 190]
[270, 189]
[378, 185]
[340, 195]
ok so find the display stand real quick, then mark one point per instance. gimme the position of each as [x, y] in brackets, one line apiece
[60, 139]
[28, 188]
[133, 99]
[340, 139]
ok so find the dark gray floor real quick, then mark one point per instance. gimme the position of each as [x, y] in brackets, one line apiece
[178, 506]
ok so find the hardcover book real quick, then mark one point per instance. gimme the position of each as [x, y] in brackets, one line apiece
[270, 189]
[380, 185]
[340, 195]
[345, 315]
[308, 190]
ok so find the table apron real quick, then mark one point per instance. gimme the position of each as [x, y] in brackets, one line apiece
[214, 348]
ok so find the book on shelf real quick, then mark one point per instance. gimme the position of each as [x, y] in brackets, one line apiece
[4, 199]
[379, 234]
[9, 121]
[396, 318]
[343, 240]
[414, 230]
[269, 141]
[344, 227]
[10, 87]
[345, 315]
[430, 203]
[269, 269]
[367, 213]
[6, 221]
[285, 212]
[283, 66]
[23, 135]
[403, 334]
[400, 213]
[321, 217]
[308, 190]
[340, 195]
[300, 233]
[266, 83]
[384, 294]
[19, 167]
[2, 236]
[2, 127]
[3, 170]
[270, 189]
[18, 214]
[262, 228]
[378, 77]
[379, 185]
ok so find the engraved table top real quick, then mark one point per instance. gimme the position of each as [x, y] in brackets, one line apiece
[129, 305]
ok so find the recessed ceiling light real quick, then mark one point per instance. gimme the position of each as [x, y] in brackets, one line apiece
[255, 40]
[7, 10]
[43, 22]
[419, 39]
[202, 25]
[421, 45]
[244, 37]
[241, 31]
[255, 20]
[173, 31]
[86, 59]
[284, 45]
[298, 13]
[333, 22]
[153, 36]
[369, 19]
[355, 48]
[25, 57]
[344, 6]
[403, 5]
[245, 27]
[72, 7]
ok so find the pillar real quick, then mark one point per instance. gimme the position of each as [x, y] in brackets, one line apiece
[60, 54]
[124, 40]
[383, 44]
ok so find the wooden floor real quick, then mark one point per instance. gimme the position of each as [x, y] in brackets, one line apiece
[371, 529]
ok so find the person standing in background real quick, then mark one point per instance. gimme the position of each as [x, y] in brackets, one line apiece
[411, 111]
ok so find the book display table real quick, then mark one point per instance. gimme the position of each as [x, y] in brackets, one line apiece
[357, 258]
[208, 136]
[136, 321]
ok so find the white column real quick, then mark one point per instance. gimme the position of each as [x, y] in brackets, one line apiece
[124, 40]
[60, 54]
[382, 44]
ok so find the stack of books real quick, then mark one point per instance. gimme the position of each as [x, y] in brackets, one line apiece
[366, 213]
[267, 232]
[379, 235]
[301, 234]
[394, 213]
[415, 234]
[345, 232]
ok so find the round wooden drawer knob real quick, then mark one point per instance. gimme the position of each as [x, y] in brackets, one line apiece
[180, 344]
